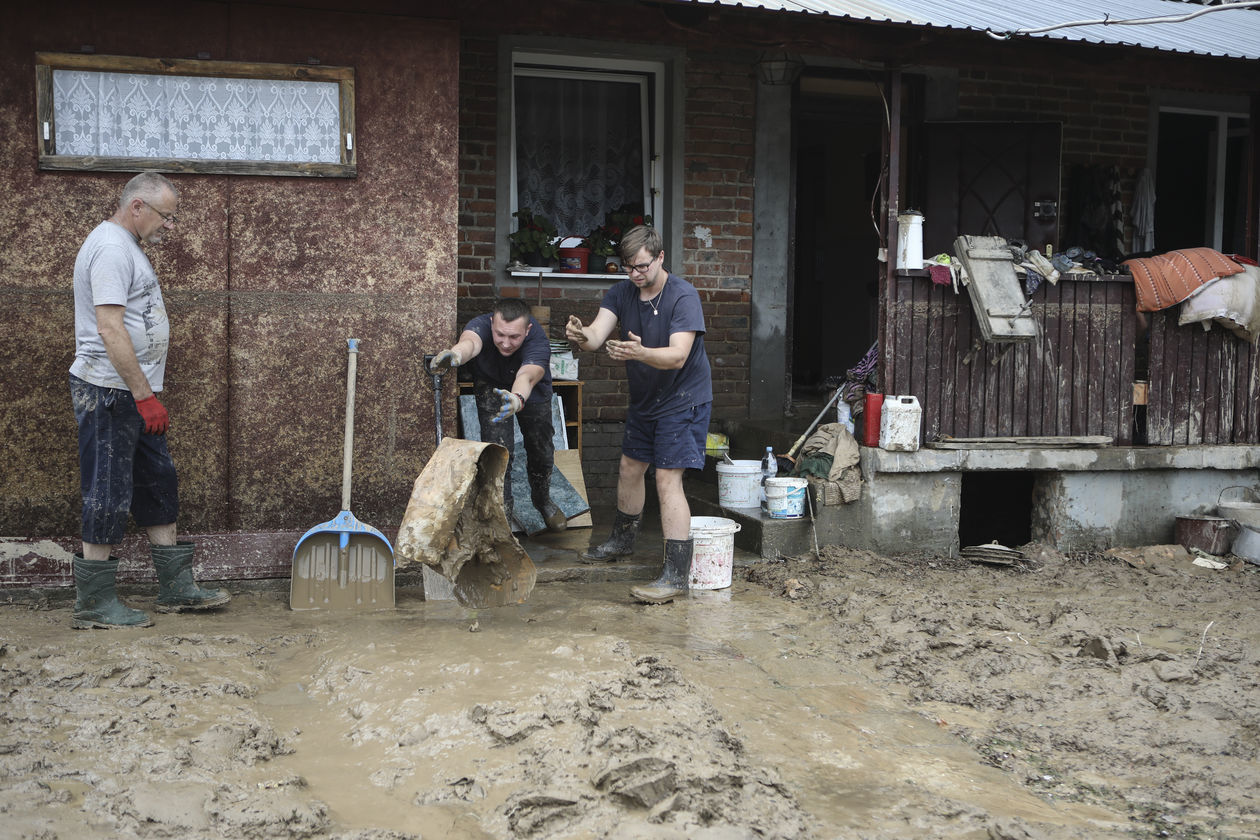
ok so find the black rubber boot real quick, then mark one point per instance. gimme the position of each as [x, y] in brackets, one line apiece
[620, 542]
[177, 591]
[96, 604]
[553, 517]
[673, 579]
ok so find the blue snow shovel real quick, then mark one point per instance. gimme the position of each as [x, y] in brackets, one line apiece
[343, 563]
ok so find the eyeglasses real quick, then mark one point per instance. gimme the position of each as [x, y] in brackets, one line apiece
[168, 218]
[641, 267]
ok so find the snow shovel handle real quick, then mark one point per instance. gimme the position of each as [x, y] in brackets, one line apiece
[348, 456]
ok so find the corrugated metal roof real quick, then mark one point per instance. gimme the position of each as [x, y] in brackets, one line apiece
[1233, 33]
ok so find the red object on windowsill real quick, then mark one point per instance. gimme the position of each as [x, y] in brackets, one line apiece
[870, 418]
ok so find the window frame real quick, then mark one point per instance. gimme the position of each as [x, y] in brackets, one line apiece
[666, 130]
[45, 125]
[648, 75]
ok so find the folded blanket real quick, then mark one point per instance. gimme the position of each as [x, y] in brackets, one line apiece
[1233, 302]
[1167, 279]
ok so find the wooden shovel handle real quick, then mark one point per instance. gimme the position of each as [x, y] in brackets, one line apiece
[348, 455]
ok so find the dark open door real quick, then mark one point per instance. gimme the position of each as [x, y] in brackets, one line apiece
[990, 179]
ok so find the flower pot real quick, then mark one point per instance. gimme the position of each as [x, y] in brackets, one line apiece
[536, 259]
[574, 260]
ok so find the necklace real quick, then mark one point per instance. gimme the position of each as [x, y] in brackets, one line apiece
[652, 301]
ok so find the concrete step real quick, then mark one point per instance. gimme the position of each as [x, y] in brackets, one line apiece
[759, 533]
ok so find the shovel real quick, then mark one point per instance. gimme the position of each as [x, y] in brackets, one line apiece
[343, 563]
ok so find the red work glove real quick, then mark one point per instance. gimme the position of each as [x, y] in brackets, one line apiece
[156, 420]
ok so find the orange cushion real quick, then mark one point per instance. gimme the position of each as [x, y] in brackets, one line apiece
[1167, 279]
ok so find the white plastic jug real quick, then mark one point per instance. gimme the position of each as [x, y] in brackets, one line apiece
[899, 423]
[910, 240]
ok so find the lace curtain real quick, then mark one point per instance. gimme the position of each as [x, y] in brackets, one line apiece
[579, 149]
[196, 118]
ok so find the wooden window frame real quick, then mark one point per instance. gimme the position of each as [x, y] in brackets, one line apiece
[45, 128]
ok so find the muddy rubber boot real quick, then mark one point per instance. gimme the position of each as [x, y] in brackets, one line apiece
[553, 517]
[96, 604]
[620, 542]
[177, 591]
[673, 579]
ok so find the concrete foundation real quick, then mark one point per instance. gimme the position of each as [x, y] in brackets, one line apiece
[1082, 498]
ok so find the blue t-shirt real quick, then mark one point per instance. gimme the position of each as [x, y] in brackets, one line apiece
[492, 367]
[656, 393]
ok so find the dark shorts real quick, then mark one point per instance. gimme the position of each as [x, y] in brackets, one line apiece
[672, 442]
[121, 470]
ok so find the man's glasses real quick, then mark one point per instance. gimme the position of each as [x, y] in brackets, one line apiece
[640, 268]
[169, 218]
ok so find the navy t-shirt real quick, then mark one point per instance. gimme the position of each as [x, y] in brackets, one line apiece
[656, 393]
[494, 368]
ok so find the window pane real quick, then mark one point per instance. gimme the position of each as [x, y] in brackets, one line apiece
[579, 149]
[196, 118]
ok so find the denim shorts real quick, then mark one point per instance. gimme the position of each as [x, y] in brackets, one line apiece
[121, 469]
[672, 442]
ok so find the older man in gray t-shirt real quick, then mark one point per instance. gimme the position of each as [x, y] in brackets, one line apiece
[121, 336]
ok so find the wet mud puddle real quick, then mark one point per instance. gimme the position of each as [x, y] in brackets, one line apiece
[577, 714]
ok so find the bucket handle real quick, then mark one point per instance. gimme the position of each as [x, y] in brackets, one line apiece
[1247, 490]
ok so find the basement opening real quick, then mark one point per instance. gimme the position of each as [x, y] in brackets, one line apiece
[995, 506]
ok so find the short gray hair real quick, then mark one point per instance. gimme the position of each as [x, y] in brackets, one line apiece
[147, 186]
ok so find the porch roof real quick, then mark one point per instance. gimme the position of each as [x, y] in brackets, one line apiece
[1229, 33]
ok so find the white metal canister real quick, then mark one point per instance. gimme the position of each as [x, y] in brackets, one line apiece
[899, 423]
[910, 240]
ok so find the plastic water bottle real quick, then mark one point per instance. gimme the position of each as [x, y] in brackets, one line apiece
[769, 469]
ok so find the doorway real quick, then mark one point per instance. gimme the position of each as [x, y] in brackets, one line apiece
[1201, 195]
[835, 289]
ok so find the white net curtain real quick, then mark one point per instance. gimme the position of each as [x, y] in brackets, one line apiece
[579, 149]
[196, 118]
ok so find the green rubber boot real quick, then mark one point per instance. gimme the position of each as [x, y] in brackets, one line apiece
[673, 580]
[620, 542]
[177, 591]
[96, 604]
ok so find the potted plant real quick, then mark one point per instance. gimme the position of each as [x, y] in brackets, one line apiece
[605, 239]
[603, 248]
[533, 241]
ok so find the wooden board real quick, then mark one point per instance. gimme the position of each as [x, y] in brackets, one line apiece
[1064, 442]
[1001, 310]
[569, 462]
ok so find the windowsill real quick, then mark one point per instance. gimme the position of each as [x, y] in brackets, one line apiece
[551, 274]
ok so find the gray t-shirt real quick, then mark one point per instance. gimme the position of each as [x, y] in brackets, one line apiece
[111, 269]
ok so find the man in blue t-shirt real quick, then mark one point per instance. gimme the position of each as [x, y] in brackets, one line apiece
[515, 381]
[661, 340]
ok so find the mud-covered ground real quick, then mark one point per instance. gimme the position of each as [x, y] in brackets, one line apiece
[852, 696]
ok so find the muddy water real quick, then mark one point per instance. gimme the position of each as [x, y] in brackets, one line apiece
[577, 714]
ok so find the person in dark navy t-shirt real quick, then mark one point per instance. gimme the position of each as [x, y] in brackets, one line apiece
[513, 380]
[661, 340]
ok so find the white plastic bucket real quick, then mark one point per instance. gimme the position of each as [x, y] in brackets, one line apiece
[910, 240]
[739, 484]
[785, 497]
[713, 551]
[899, 423]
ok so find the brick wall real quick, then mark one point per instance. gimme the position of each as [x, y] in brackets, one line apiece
[716, 248]
[1104, 122]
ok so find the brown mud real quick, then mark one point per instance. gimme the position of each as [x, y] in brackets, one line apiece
[856, 696]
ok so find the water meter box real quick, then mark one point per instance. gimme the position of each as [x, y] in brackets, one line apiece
[899, 422]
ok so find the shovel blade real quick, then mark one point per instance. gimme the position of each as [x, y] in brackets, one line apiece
[342, 565]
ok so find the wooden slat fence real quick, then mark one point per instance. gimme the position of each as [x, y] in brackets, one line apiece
[1075, 379]
[1205, 385]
